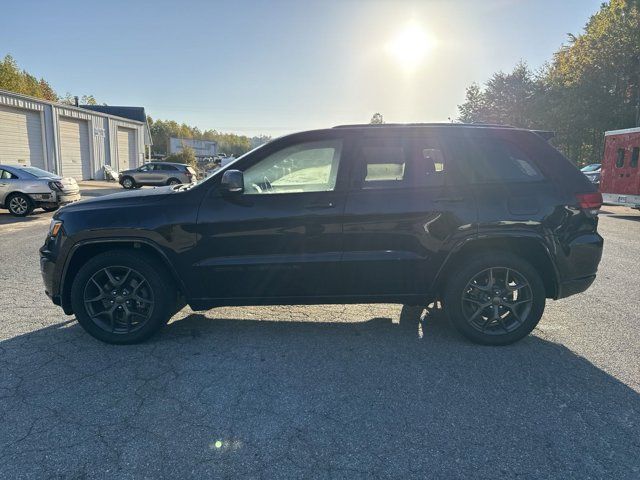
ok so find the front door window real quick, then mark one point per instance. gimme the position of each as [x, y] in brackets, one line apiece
[306, 167]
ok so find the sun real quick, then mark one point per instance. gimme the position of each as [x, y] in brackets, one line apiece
[410, 46]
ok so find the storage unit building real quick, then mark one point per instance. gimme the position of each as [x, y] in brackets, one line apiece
[68, 140]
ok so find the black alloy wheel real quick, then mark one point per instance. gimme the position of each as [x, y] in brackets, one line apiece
[119, 299]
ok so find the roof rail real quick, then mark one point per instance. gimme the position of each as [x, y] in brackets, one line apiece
[434, 124]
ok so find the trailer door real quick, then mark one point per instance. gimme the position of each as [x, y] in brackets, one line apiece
[620, 172]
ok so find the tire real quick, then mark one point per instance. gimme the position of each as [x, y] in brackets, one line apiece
[128, 183]
[50, 209]
[19, 204]
[173, 181]
[125, 313]
[483, 303]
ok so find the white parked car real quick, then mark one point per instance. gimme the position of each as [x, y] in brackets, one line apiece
[24, 188]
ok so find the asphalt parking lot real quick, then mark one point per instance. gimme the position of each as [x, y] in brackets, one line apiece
[321, 392]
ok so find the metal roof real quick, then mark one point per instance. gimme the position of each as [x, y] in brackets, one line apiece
[133, 113]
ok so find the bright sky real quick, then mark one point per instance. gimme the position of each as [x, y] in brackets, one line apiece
[274, 66]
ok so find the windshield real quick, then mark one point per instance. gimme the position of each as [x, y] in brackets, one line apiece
[37, 172]
[591, 168]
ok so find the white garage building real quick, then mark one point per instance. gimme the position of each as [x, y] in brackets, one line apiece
[71, 141]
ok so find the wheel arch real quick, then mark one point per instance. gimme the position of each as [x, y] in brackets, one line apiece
[81, 252]
[531, 248]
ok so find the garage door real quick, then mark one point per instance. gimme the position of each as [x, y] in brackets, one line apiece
[126, 148]
[21, 137]
[75, 148]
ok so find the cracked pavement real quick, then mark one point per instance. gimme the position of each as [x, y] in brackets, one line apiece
[321, 391]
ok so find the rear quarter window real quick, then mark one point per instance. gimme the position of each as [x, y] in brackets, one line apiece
[499, 160]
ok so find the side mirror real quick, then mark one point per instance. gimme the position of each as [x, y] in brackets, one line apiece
[232, 181]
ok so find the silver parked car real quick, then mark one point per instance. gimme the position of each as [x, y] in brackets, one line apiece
[158, 173]
[24, 188]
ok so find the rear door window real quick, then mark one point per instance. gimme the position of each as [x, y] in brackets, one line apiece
[6, 175]
[382, 162]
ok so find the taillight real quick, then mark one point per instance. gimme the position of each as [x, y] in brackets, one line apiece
[590, 201]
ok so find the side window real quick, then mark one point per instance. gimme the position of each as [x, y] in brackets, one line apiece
[305, 167]
[5, 175]
[620, 158]
[383, 162]
[428, 163]
[145, 168]
[635, 153]
[500, 160]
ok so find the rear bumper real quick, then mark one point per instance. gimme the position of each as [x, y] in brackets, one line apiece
[572, 287]
[632, 201]
[578, 264]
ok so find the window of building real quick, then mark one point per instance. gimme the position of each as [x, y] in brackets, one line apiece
[635, 153]
[620, 158]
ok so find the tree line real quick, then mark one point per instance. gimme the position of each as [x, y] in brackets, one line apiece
[229, 143]
[15, 79]
[591, 85]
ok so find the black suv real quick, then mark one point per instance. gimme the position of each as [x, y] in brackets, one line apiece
[489, 220]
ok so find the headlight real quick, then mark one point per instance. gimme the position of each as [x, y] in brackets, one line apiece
[54, 228]
[56, 186]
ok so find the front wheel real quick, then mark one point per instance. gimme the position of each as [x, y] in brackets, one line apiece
[496, 299]
[128, 183]
[122, 297]
[19, 205]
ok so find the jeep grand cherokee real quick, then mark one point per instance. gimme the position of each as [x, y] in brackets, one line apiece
[489, 220]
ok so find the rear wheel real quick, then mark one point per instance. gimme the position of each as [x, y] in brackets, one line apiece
[121, 297]
[19, 205]
[128, 183]
[174, 181]
[495, 300]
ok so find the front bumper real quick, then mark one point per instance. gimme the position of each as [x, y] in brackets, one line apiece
[65, 198]
[54, 198]
[47, 269]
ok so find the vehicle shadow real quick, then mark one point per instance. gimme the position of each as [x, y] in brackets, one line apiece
[274, 398]
[7, 219]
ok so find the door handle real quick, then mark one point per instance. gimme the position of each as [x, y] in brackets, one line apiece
[319, 206]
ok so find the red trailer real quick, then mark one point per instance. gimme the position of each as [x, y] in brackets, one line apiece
[620, 176]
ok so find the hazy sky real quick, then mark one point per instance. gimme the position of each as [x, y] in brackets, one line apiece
[279, 66]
